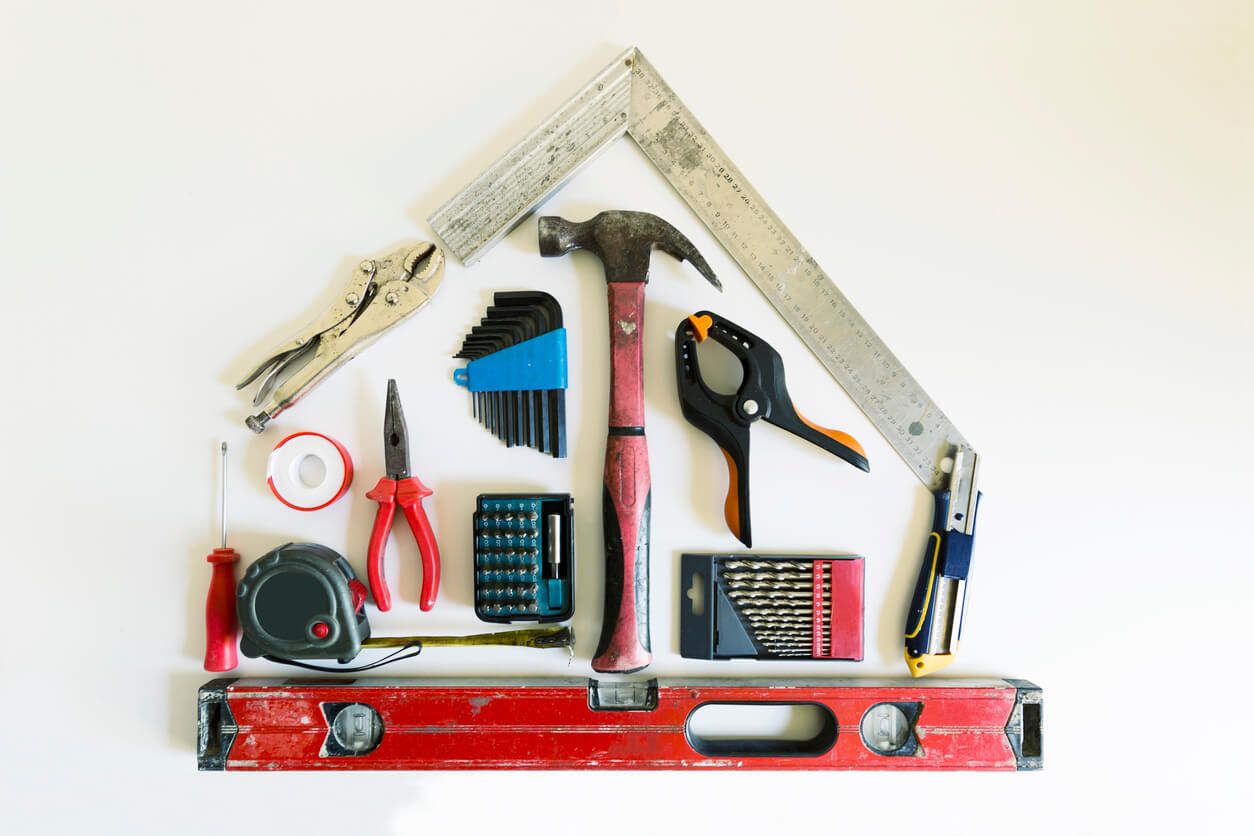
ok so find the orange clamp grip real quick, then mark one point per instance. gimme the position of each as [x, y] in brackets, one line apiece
[835, 435]
[731, 505]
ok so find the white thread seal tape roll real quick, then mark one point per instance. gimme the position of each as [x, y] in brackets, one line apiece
[283, 471]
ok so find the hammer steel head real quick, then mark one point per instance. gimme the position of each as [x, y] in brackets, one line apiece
[623, 241]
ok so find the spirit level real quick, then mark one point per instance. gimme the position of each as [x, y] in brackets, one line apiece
[294, 724]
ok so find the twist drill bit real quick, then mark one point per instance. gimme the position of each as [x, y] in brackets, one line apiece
[770, 565]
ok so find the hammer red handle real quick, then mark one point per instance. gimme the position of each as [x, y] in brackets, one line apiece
[624, 645]
[626, 354]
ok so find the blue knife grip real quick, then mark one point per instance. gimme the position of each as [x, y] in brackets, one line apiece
[946, 558]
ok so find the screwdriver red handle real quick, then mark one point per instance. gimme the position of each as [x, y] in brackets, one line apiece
[221, 622]
[624, 645]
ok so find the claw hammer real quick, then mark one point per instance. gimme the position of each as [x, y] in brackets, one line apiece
[624, 242]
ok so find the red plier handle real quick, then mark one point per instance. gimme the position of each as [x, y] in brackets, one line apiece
[407, 493]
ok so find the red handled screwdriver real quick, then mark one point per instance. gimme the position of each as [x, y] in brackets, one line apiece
[221, 622]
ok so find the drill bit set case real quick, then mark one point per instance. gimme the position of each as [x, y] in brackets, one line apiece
[781, 607]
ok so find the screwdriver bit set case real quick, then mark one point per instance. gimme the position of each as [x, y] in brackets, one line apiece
[750, 606]
[524, 557]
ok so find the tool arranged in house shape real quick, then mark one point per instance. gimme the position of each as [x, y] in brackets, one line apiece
[624, 242]
[762, 395]
[517, 371]
[755, 606]
[362, 724]
[630, 98]
[400, 488]
[382, 293]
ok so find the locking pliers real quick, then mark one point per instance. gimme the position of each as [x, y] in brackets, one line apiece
[381, 293]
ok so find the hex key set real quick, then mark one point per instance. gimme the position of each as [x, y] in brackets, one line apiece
[517, 371]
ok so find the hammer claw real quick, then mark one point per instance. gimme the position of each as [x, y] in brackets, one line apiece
[682, 250]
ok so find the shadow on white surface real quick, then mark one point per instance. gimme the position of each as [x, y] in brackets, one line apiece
[537, 105]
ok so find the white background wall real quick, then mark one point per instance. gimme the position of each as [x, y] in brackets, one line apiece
[1045, 210]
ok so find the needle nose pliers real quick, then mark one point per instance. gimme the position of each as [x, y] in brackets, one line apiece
[398, 487]
[727, 418]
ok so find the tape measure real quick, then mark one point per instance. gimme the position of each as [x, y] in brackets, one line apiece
[302, 601]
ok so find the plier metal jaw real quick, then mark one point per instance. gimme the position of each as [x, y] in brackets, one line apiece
[381, 293]
[398, 487]
[728, 418]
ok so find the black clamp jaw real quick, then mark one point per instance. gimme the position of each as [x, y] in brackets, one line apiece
[728, 418]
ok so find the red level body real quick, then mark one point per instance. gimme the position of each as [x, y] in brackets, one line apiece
[291, 724]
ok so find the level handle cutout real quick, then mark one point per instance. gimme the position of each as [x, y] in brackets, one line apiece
[747, 729]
